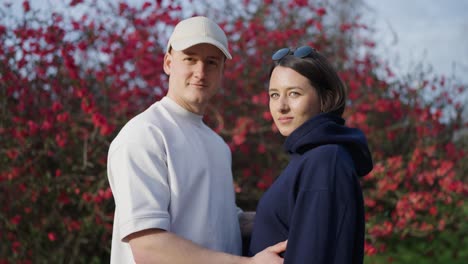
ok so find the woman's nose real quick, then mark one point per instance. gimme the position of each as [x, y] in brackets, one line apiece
[283, 105]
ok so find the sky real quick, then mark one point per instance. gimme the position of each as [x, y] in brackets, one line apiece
[433, 32]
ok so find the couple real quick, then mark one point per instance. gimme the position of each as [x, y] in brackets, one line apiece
[171, 175]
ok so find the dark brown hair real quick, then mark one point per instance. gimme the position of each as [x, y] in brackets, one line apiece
[322, 76]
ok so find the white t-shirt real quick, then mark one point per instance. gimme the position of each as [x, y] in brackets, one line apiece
[168, 170]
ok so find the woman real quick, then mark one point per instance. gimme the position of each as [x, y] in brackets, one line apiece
[316, 203]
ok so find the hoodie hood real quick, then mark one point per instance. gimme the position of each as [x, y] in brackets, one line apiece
[325, 129]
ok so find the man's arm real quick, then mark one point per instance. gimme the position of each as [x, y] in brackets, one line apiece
[246, 221]
[160, 246]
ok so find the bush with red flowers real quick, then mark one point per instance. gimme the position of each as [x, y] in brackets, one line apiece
[70, 79]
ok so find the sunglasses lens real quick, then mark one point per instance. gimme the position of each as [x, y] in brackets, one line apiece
[280, 54]
[303, 51]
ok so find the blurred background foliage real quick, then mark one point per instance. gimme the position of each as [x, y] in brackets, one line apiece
[72, 76]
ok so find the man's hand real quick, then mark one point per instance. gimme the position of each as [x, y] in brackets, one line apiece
[270, 254]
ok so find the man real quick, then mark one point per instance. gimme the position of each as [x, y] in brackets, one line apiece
[170, 174]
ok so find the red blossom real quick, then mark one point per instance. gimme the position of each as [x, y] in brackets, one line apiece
[51, 236]
[22, 187]
[369, 249]
[3, 30]
[441, 225]
[267, 116]
[345, 27]
[319, 26]
[105, 194]
[61, 140]
[87, 106]
[69, 83]
[261, 148]
[57, 106]
[262, 185]
[72, 225]
[63, 117]
[63, 198]
[383, 230]
[46, 125]
[321, 11]
[33, 127]
[26, 6]
[146, 5]
[12, 154]
[122, 7]
[87, 197]
[369, 202]
[16, 220]
[15, 246]
[369, 43]
[75, 2]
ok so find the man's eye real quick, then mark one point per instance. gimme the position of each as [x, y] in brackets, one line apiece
[213, 62]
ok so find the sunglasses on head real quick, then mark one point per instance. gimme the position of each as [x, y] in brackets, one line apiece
[300, 52]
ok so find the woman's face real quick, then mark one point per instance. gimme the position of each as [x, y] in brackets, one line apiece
[293, 100]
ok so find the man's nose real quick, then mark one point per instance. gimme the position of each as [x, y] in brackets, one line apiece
[200, 70]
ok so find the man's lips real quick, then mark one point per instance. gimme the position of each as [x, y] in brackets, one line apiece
[201, 85]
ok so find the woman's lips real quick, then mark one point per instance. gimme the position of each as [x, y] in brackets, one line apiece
[285, 119]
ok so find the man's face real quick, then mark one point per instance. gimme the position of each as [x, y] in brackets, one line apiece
[195, 75]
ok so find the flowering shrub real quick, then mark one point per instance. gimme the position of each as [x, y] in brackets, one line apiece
[69, 83]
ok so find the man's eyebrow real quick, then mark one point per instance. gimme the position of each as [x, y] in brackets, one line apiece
[191, 53]
[188, 52]
[215, 57]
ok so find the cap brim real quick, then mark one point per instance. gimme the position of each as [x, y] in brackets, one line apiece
[183, 44]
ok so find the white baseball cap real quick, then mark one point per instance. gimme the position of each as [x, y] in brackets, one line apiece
[197, 30]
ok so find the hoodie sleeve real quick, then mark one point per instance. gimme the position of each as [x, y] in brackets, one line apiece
[324, 219]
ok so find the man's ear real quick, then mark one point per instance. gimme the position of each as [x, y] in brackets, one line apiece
[167, 63]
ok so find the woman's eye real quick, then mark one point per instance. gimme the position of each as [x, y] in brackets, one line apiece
[273, 95]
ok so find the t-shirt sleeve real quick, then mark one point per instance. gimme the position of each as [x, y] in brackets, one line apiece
[138, 175]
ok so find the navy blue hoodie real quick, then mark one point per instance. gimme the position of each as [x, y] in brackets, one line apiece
[316, 203]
